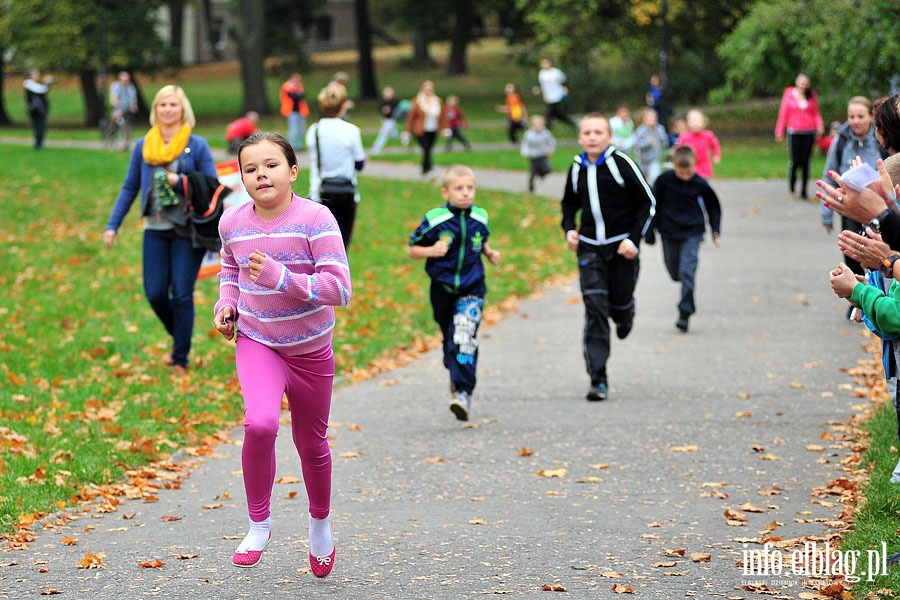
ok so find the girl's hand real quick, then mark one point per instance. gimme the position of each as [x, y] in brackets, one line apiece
[224, 322]
[572, 240]
[716, 240]
[257, 260]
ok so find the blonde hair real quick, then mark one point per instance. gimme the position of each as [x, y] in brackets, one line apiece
[187, 113]
[332, 98]
[454, 172]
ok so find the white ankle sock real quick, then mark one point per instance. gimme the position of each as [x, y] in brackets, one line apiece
[257, 537]
[321, 542]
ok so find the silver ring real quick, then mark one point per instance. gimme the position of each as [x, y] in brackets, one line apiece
[860, 247]
[840, 198]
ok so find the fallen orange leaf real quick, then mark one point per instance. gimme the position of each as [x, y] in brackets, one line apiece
[152, 564]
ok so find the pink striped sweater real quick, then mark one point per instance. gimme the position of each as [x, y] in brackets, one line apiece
[290, 307]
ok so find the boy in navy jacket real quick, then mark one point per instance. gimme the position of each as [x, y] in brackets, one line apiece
[684, 203]
[452, 239]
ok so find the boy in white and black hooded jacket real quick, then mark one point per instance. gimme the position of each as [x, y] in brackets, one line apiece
[606, 209]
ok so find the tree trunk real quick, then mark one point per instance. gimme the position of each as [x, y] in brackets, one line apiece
[143, 113]
[420, 48]
[252, 57]
[462, 33]
[5, 121]
[368, 86]
[176, 28]
[93, 103]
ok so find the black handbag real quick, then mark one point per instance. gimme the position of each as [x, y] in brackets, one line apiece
[331, 187]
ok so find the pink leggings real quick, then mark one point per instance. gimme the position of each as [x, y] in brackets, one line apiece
[265, 377]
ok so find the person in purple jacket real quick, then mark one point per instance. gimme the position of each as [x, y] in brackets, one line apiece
[171, 261]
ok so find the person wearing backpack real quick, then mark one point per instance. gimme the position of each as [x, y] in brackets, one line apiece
[855, 138]
[171, 259]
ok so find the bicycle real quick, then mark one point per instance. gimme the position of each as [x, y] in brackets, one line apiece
[117, 131]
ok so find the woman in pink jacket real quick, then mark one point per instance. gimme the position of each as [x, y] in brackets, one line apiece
[799, 117]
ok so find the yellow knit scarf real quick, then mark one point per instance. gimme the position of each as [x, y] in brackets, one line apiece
[159, 154]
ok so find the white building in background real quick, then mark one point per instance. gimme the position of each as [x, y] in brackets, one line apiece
[333, 29]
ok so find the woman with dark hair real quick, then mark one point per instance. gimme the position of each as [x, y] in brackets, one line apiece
[799, 118]
[887, 123]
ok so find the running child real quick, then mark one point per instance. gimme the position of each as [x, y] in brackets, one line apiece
[284, 269]
[451, 239]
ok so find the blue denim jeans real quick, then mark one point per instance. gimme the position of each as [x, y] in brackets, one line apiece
[680, 257]
[171, 266]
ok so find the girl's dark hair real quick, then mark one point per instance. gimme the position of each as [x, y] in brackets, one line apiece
[275, 138]
[887, 122]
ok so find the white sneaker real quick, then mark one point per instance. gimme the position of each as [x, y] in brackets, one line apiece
[460, 406]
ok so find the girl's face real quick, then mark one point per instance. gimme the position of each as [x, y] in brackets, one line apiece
[268, 177]
[169, 110]
[651, 119]
[695, 122]
[802, 83]
[859, 118]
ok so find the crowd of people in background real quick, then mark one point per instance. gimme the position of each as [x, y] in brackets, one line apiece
[632, 180]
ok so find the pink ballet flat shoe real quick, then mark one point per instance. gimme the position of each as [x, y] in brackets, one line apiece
[321, 565]
[250, 558]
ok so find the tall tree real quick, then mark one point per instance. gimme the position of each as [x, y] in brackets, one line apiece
[4, 116]
[623, 38]
[67, 36]
[368, 85]
[251, 49]
[780, 38]
[463, 21]
[176, 27]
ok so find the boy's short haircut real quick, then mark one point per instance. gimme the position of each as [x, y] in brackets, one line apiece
[332, 98]
[684, 156]
[594, 115]
[455, 171]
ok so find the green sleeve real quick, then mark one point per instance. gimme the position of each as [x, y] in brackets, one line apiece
[883, 311]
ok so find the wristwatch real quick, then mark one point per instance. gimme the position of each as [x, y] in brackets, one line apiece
[875, 223]
[887, 265]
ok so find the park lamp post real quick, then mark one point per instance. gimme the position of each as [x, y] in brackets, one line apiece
[664, 102]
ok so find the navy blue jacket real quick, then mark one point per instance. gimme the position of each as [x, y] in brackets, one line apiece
[460, 271]
[197, 156]
[684, 207]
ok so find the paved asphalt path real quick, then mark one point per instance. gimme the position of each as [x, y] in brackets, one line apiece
[427, 507]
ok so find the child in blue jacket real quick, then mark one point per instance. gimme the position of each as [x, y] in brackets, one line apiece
[452, 239]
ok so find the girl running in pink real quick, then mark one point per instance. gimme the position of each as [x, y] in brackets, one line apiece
[284, 268]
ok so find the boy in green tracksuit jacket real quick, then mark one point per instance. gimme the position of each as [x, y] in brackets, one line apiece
[882, 313]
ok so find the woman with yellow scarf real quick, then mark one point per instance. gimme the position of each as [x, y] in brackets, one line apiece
[171, 262]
